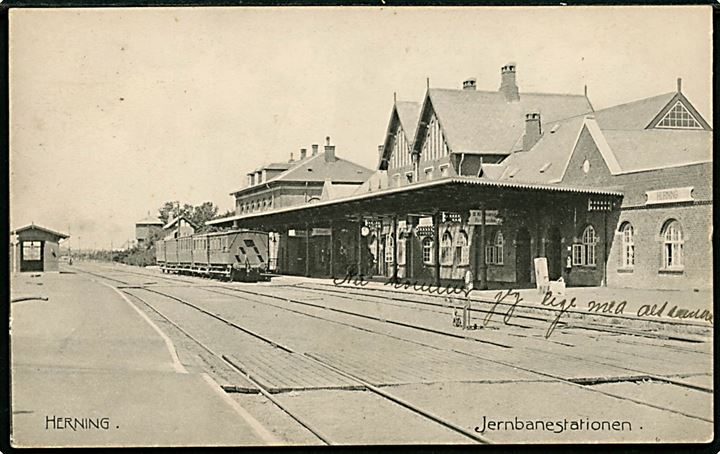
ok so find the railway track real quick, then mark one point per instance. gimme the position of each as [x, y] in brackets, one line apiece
[638, 374]
[537, 313]
[128, 288]
[381, 392]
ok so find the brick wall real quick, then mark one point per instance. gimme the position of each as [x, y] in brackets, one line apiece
[647, 220]
[696, 223]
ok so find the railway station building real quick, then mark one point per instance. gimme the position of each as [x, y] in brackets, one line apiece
[313, 177]
[484, 182]
[35, 248]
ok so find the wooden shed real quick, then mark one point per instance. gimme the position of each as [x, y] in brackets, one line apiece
[36, 248]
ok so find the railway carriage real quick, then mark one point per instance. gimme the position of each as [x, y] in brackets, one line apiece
[240, 255]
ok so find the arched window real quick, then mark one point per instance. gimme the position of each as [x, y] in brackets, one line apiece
[583, 254]
[389, 248]
[589, 241]
[446, 249]
[672, 236]
[428, 250]
[494, 252]
[628, 245]
[462, 248]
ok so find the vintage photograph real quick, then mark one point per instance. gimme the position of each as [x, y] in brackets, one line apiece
[305, 226]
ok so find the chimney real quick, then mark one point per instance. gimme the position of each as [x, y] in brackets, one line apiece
[470, 84]
[533, 130]
[329, 150]
[303, 153]
[508, 85]
[679, 85]
[291, 157]
[314, 149]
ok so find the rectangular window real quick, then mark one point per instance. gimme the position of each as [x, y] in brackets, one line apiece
[444, 170]
[490, 254]
[578, 253]
[388, 249]
[427, 251]
[31, 250]
[589, 254]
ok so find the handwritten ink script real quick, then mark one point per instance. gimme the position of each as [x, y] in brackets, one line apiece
[359, 280]
[510, 299]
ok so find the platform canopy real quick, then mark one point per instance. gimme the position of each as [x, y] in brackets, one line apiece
[452, 194]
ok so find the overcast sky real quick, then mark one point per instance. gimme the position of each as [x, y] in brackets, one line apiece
[115, 111]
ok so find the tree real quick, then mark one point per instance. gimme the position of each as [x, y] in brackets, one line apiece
[170, 210]
[198, 215]
[203, 213]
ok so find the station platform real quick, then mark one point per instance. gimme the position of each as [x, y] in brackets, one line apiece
[89, 369]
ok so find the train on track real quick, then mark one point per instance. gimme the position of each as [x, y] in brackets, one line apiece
[237, 255]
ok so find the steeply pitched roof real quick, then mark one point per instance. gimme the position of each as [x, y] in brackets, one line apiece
[632, 115]
[43, 229]
[409, 113]
[483, 121]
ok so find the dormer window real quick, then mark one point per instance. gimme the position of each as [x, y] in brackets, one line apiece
[679, 117]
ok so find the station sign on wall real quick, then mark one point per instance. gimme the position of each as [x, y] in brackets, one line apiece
[492, 217]
[671, 195]
[321, 232]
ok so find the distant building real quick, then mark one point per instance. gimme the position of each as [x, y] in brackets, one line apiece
[36, 249]
[144, 229]
[310, 179]
[179, 227]
[296, 182]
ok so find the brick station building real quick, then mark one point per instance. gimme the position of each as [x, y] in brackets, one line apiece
[486, 181]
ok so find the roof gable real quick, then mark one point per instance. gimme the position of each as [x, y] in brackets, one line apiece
[632, 115]
[679, 113]
[485, 122]
[404, 114]
[41, 229]
[176, 220]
